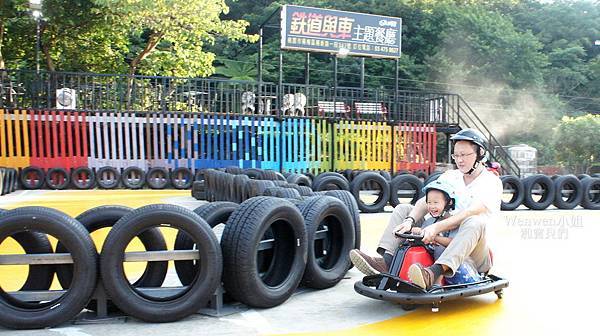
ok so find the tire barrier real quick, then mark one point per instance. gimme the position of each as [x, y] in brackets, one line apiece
[568, 192]
[8, 180]
[108, 177]
[21, 312]
[538, 192]
[157, 178]
[58, 179]
[512, 186]
[591, 193]
[182, 178]
[367, 186]
[264, 251]
[133, 178]
[185, 300]
[405, 188]
[330, 236]
[84, 178]
[32, 178]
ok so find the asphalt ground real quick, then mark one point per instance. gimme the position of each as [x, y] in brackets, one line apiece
[549, 257]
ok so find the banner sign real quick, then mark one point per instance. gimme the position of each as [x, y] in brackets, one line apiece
[339, 32]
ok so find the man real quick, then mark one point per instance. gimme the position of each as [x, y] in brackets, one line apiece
[479, 192]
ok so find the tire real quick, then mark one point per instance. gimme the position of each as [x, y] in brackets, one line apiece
[386, 175]
[305, 191]
[13, 184]
[214, 214]
[32, 178]
[108, 177]
[1, 181]
[433, 177]
[591, 193]
[239, 188]
[234, 170]
[421, 175]
[58, 179]
[348, 199]
[182, 178]
[530, 185]
[133, 178]
[200, 174]
[330, 182]
[39, 277]
[512, 185]
[328, 258]
[143, 306]
[106, 216]
[198, 190]
[253, 173]
[583, 176]
[272, 191]
[157, 178]
[282, 267]
[299, 179]
[316, 179]
[279, 183]
[17, 315]
[310, 176]
[255, 188]
[288, 193]
[406, 184]
[382, 198]
[83, 178]
[569, 186]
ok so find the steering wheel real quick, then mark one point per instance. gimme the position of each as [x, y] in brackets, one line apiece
[409, 236]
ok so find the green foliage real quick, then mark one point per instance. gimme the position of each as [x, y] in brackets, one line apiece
[576, 141]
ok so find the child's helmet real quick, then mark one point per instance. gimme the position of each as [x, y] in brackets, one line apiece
[446, 189]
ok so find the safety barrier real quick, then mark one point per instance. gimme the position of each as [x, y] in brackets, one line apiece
[69, 139]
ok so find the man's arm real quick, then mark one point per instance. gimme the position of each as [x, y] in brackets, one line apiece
[417, 213]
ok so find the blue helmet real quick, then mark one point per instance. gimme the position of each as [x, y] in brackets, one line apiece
[445, 188]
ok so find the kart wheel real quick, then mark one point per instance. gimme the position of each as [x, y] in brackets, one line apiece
[499, 293]
[408, 307]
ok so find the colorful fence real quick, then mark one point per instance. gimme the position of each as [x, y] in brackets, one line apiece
[70, 139]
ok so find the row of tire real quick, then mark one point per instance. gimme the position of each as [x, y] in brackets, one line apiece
[269, 246]
[107, 177]
[538, 192]
[236, 185]
[8, 180]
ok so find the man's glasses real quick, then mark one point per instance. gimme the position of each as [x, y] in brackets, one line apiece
[461, 156]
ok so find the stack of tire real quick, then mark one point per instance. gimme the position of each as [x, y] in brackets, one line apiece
[269, 246]
[105, 178]
[8, 180]
[538, 192]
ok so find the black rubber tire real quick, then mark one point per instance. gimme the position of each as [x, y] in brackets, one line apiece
[514, 184]
[591, 201]
[548, 191]
[234, 170]
[279, 183]
[330, 182]
[255, 188]
[1, 181]
[15, 180]
[299, 179]
[83, 178]
[214, 214]
[554, 177]
[107, 216]
[239, 188]
[40, 276]
[288, 193]
[113, 177]
[157, 178]
[382, 199]
[133, 178]
[253, 173]
[13, 313]
[328, 259]
[57, 178]
[272, 191]
[386, 174]
[228, 187]
[434, 176]
[182, 178]
[572, 184]
[583, 176]
[317, 178]
[421, 175]
[311, 176]
[200, 175]
[404, 182]
[596, 175]
[32, 184]
[305, 191]
[348, 199]
[145, 307]
[240, 241]
[198, 190]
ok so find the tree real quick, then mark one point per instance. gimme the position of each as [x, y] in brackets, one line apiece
[576, 141]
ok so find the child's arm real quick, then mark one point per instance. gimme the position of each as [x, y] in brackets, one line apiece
[444, 241]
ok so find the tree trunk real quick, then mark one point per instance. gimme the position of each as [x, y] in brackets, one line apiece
[153, 41]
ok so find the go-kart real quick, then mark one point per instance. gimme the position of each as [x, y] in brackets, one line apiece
[395, 286]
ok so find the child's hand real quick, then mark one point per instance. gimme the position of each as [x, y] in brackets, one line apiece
[416, 231]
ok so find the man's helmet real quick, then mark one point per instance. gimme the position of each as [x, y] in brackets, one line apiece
[446, 189]
[474, 136]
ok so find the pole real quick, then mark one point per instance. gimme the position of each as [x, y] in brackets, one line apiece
[37, 45]
[307, 69]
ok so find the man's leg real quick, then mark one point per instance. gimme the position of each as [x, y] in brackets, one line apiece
[469, 241]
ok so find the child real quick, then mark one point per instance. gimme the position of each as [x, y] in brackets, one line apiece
[441, 199]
